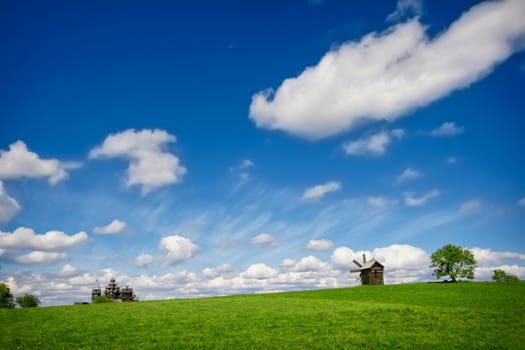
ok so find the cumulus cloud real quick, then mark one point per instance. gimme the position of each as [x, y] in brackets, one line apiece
[9, 207]
[39, 257]
[375, 144]
[20, 162]
[404, 9]
[259, 271]
[26, 238]
[447, 129]
[319, 245]
[413, 201]
[486, 256]
[150, 165]
[318, 191]
[264, 238]
[310, 263]
[387, 75]
[409, 174]
[115, 227]
[143, 260]
[343, 257]
[178, 248]
[221, 270]
[68, 270]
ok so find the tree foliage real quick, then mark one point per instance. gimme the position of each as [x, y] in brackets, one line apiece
[6, 298]
[502, 276]
[28, 300]
[453, 261]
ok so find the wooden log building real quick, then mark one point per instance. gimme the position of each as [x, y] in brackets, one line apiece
[370, 272]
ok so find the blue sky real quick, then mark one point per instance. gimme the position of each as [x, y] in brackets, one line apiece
[220, 147]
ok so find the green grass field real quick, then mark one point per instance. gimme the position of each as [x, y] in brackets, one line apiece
[421, 316]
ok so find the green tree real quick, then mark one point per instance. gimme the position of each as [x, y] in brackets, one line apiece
[453, 261]
[502, 276]
[28, 300]
[6, 298]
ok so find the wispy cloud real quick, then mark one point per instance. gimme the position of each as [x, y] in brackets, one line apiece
[412, 201]
[386, 75]
[409, 174]
[406, 8]
[470, 207]
[447, 129]
[375, 144]
[318, 191]
[9, 207]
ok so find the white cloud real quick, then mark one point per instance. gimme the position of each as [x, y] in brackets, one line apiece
[179, 248]
[470, 207]
[447, 129]
[522, 202]
[68, 270]
[264, 238]
[375, 144]
[406, 8]
[20, 162]
[310, 263]
[9, 207]
[39, 257]
[409, 174]
[259, 271]
[452, 160]
[150, 166]
[413, 201]
[318, 191]
[221, 270]
[402, 256]
[318, 245]
[25, 238]
[343, 257]
[387, 75]
[116, 226]
[488, 256]
[143, 260]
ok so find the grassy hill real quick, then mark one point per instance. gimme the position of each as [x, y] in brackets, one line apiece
[427, 315]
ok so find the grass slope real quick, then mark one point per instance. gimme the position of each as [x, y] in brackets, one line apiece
[430, 315]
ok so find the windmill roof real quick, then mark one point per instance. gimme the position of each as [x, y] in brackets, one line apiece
[368, 265]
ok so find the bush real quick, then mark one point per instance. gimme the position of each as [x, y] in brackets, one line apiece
[502, 276]
[102, 300]
[28, 300]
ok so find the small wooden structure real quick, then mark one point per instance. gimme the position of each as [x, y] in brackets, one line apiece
[370, 272]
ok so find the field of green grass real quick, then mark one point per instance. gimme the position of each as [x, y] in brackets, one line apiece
[421, 316]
